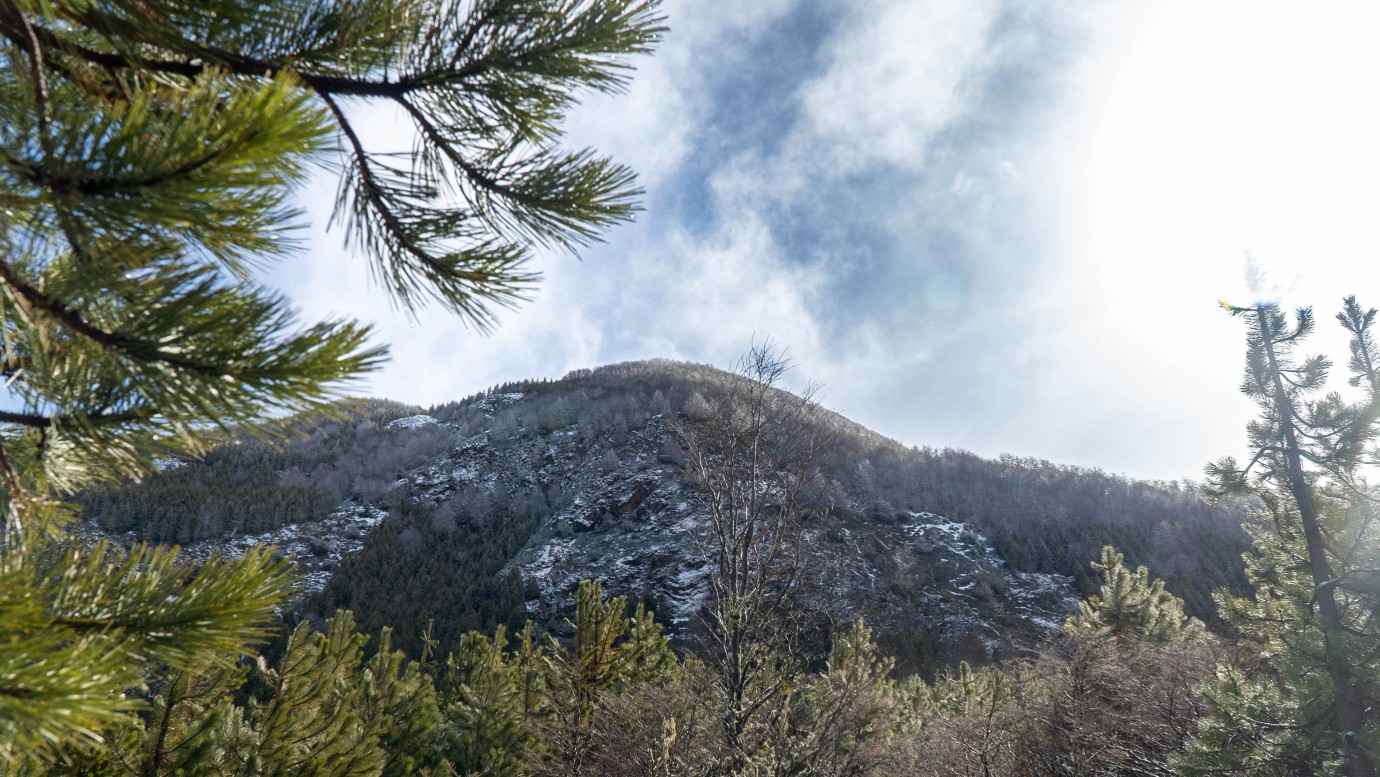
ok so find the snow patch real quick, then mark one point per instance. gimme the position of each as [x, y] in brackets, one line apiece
[411, 422]
[316, 546]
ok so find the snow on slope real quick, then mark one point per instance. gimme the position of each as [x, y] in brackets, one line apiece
[626, 514]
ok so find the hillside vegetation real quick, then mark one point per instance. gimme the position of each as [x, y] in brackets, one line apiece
[473, 499]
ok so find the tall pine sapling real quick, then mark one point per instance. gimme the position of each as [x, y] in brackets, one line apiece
[1131, 605]
[610, 652]
[1310, 703]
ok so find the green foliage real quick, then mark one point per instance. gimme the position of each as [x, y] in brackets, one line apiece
[489, 698]
[1272, 715]
[530, 706]
[326, 710]
[398, 702]
[302, 719]
[179, 733]
[451, 576]
[1307, 703]
[147, 153]
[609, 652]
[1131, 605]
[322, 708]
[1111, 696]
[967, 722]
[80, 623]
[846, 719]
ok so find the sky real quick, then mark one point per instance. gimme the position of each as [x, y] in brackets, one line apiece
[996, 226]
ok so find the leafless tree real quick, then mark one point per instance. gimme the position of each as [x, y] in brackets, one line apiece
[755, 452]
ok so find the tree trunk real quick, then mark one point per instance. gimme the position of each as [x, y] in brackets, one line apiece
[1350, 706]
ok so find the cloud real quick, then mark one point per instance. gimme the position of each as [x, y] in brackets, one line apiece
[859, 182]
[656, 124]
[897, 74]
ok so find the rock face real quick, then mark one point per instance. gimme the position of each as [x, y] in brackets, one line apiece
[316, 546]
[631, 519]
[580, 478]
[635, 526]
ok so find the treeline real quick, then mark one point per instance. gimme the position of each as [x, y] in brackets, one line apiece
[249, 485]
[438, 564]
[1045, 517]
[1114, 693]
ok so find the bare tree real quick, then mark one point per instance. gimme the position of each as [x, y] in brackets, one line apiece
[755, 451]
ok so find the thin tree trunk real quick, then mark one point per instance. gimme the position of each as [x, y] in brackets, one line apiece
[1350, 705]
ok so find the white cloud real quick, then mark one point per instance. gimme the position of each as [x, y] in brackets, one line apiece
[930, 305]
[654, 125]
[733, 285]
[898, 73]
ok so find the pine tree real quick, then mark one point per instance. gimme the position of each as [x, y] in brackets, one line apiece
[609, 653]
[398, 703]
[529, 707]
[305, 719]
[489, 698]
[969, 721]
[1131, 605]
[1308, 705]
[148, 149]
[177, 735]
[1117, 695]
[321, 708]
[325, 709]
[844, 720]
[81, 624]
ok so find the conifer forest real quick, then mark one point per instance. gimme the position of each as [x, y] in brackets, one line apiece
[218, 561]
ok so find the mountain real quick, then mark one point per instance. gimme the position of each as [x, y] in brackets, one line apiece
[491, 509]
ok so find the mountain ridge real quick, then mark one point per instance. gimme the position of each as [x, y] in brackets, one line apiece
[496, 505]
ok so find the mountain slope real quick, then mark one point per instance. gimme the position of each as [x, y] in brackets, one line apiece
[491, 509]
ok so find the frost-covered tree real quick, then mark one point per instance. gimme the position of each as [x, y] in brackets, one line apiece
[755, 453]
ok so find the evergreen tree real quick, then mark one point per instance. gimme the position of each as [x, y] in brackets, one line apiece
[843, 720]
[490, 697]
[305, 717]
[609, 653]
[180, 735]
[81, 624]
[177, 735]
[1131, 605]
[321, 708]
[1309, 704]
[398, 703]
[968, 722]
[147, 152]
[326, 709]
[529, 707]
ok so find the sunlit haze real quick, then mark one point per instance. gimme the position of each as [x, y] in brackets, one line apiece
[995, 226]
